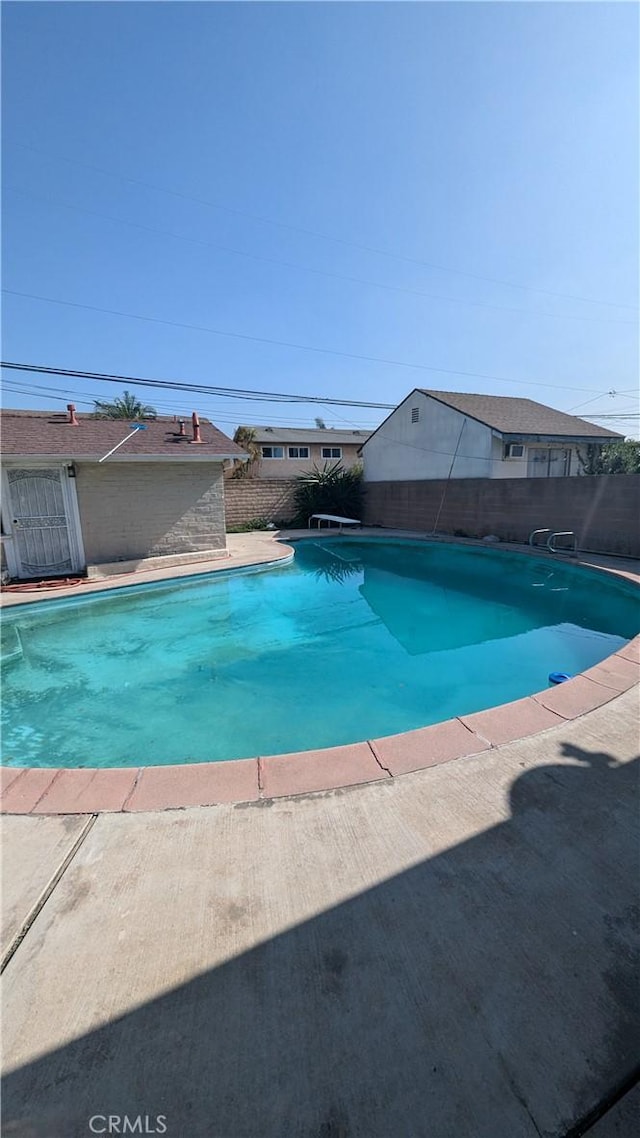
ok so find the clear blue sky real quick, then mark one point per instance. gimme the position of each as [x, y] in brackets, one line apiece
[491, 140]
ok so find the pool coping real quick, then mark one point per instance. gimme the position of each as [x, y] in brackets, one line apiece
[260, 779]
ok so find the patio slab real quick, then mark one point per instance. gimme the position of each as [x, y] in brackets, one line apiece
[510, 721]
[574, 697]
[615, 672]
[32, 853]
[425, 748]
[23, 793]
[7, 776]
[448, 953]
[631, 651]
[87, 791]
[197, 784]
[319, 770]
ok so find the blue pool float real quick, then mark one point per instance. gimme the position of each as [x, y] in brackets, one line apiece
[559, 677]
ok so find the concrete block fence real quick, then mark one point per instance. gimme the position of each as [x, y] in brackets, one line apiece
[249, 498]
[603, 511]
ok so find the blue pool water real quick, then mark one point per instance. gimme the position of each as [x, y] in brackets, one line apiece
[353, 639]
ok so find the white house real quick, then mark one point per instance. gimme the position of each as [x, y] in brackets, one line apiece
[441, 434]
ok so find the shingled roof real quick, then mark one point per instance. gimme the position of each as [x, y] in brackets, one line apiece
[514, 416]
[38, 433]
[322, 435]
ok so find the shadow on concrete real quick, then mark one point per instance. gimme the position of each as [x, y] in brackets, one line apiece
[489, 992]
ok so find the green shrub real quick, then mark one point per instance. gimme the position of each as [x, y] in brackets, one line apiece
[619, 457]
[330, 490]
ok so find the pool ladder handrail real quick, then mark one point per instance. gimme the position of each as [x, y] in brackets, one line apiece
[534, 533]
[551, 546]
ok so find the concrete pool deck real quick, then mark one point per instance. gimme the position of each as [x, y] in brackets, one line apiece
[449, 954]
[444, 952]
[131, 789]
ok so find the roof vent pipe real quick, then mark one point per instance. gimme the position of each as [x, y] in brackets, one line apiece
[181, 430]
[196, 428]
[72, 415]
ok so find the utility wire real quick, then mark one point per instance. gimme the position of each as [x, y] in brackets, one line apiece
[602, 395]
[225, 392]
[299, 347]
[321, 272]
[316, 233]
[329, 402]
[61, 395]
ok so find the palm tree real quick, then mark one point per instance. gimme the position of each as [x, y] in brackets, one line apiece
[245, 437]
[126, 406]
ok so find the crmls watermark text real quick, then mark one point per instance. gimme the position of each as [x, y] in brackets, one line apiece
[127, 1124]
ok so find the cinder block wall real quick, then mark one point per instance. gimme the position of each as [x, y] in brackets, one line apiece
[133, 510]
[602, 511]
[249, 498]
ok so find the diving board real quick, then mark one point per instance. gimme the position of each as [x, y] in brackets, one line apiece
[334, 518]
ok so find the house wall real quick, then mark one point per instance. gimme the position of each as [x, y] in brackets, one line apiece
[517, 467]
[132, 510]
[404, 450]
[282, 468]
[246, 499]
[602, 511]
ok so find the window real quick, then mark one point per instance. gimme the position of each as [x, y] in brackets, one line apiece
[415, 414]
[332, 452]
[298, 452]
[273, 452]
[549, 462]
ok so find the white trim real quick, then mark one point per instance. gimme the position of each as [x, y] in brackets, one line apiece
[272, 457]
[7, 525]
[74, 523]
[328, 457]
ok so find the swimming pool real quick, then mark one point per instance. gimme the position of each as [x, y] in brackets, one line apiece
[354, 639]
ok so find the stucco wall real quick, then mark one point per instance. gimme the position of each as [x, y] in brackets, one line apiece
[519, 467]
[405, 450]
[282, 468]
[602, 511]
[134, 510]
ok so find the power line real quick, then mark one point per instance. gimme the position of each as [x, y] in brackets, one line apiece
[61, 395]
[298, 347]
[622, 417]
[317, 233]
[382, 433]
[206, 389]
[320, 272]
[602, 395]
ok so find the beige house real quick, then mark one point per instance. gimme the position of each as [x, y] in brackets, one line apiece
[449, 434]
[103, 495]
[286, 452]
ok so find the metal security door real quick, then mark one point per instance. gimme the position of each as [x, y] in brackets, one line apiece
[38, 507]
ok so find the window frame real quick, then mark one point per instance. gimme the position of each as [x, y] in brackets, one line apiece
[331, 455]
[272, 457]
[298, 455]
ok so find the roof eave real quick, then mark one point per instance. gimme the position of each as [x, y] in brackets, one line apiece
[169, 458]
[528, 437]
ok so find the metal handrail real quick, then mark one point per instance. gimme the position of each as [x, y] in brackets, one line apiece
[562, 533]
[534, 533]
